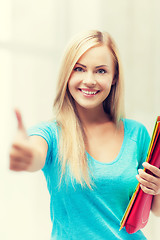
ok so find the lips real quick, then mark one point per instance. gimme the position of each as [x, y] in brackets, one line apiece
[90, 92]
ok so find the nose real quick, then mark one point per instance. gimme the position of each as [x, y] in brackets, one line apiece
[89, 79]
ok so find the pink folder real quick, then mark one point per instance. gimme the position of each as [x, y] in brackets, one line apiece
[137, 213]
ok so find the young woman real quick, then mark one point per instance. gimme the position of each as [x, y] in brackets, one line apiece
[90, 153]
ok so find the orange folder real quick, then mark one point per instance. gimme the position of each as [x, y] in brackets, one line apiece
[137, 213]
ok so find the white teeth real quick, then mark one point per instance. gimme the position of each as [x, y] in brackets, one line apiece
[87, 92]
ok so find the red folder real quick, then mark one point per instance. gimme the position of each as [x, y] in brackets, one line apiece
[137, 213]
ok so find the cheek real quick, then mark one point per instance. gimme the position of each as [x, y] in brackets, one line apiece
[72, 83]
[106, 83]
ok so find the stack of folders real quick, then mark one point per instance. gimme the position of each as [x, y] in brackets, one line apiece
[137, 213]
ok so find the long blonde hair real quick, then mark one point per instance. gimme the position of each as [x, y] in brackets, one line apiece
[72, 151]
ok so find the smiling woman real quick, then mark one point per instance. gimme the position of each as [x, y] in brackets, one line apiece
[89, 153]
[92, 77]
[81, 71]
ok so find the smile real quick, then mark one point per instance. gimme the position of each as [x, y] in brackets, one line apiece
[89, 92]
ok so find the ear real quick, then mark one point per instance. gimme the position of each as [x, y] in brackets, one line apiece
[114, 79]
[116, 74]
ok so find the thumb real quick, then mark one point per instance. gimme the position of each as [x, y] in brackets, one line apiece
[19, 120]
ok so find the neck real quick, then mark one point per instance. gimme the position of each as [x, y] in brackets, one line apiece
[92, 116]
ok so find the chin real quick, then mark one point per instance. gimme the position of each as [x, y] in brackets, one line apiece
[89, 107]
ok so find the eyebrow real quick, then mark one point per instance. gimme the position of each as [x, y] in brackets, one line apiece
[81, 65]
[102, 66]
[95, 67]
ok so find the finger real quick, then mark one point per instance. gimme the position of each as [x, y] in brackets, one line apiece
[153, 169]
[19, 119]
[147, 190]
[18, 167]
[16, 156]
[147, 177]
[22, 133]
[21, 149]
[146, 184]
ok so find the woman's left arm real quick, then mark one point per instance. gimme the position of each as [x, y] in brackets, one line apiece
[151, 184]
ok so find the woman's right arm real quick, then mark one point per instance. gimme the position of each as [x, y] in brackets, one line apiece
[27, 153]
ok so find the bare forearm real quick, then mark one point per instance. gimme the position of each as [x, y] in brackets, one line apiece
[39, 153]
[156, 205]
[37, 162]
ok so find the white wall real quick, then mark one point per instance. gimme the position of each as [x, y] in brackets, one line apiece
[33, 35]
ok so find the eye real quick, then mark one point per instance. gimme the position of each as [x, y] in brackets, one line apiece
[101, 71]
[78, 69]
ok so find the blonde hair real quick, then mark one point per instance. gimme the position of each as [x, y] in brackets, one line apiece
[72, 151]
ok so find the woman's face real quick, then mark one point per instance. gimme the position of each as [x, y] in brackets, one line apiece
[92, 77]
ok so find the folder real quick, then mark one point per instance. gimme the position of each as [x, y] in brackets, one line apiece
[137, 212]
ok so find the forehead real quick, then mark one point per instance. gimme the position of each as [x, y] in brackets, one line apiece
[99, 54]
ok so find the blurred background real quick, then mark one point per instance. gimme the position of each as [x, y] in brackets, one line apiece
[33, 35]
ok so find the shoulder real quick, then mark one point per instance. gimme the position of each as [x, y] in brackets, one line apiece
[132, 123]
[45, 129]
[135, 130]
[45, 125]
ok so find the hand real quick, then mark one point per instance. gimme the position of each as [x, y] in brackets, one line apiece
[21, 153]
[150, 184]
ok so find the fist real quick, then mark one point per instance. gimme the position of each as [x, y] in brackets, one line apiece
[21, 153]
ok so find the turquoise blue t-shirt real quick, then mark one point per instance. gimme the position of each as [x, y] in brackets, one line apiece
[78, 213]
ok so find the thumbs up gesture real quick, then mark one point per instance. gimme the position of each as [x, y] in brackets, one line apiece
[21, 152]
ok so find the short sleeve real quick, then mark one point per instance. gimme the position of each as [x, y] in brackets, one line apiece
[48, 131]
